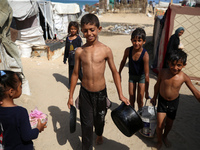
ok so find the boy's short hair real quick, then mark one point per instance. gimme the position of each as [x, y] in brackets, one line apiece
[90, 19]
[176, 55]
[139, 32]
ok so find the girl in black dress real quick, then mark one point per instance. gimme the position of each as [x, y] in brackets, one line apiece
[73, 41]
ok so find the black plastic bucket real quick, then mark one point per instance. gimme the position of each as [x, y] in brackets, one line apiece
[126, 119]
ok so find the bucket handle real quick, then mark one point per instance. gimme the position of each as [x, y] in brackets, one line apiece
[152, 104]
[146, 101]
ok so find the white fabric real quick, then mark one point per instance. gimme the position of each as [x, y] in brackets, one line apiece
[46, 9]
[154, 4]
[23, 9]
[8, 62]
[26, 50]
[57, 15]
[34, 36]
[61, 25]
[62, 8]
[30, 37]
[166, 4]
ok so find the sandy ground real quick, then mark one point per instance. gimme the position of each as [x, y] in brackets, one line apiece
[48, 82]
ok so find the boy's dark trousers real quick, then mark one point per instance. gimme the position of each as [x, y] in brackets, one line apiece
[80, 75]
[92, 113]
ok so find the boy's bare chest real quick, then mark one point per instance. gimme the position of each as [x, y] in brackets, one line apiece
[93, 58]
[173, 82]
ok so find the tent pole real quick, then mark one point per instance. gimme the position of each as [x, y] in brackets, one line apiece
[45, 21]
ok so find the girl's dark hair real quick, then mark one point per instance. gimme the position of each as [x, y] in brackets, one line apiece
[75, 24]
[8, 79]
[176, 55]
[90, 19]
[140, 33]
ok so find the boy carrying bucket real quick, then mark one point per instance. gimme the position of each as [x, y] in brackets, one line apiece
[138, 68]
[92, 56]
[167, 89]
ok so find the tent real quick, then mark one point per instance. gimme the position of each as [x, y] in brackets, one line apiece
[176, 16]
[31, 19]
[26, 22]
[63, 13]
[9, 52]
[38, 20]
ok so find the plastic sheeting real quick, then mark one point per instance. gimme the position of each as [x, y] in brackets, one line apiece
[8, 62]
[61, 25]
[166, 4]
[33, 36]
[62, 8]
[56, 15]
[9, 52]
[30, 37]
[62, 15]
[46, 9]
[23, 9]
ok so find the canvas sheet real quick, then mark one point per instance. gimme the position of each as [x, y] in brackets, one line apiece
[23, 9]
[10, 58]
[33, 36]
[166, 4]
[46, 9]
[63, 8]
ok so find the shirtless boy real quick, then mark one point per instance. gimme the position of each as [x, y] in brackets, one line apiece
[167, 89]
[92, 56]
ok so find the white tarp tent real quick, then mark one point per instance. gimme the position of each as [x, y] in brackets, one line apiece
[37, 20]
[62, 15]
[26, 16]
[65, 8]
[9, 52]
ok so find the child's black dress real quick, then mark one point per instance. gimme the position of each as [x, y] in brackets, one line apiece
[70, 49]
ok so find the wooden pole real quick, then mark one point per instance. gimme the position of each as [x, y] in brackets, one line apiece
[171, 1]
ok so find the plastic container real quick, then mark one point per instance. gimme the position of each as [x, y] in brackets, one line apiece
[149, 119]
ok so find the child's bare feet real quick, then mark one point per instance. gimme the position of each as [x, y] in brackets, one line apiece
[157, 146]
[99, 140]
[167, 142]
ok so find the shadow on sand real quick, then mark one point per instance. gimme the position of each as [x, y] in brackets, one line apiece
[109, 144]
[60, 120]
[63, 79]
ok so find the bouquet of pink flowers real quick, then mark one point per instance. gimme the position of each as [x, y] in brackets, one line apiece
[35, 115]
